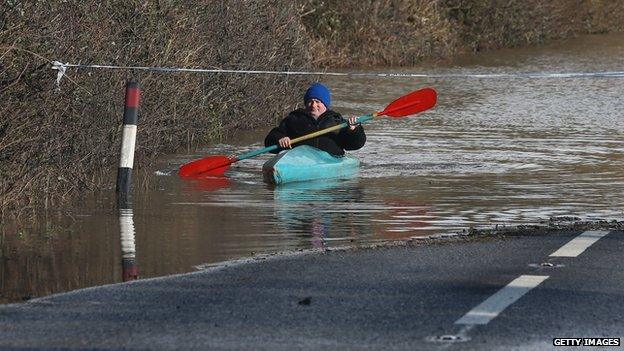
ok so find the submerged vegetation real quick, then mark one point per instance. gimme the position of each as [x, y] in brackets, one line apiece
[56, 143]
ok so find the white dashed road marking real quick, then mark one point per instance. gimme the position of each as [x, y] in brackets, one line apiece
[496, 303]
[579, 244]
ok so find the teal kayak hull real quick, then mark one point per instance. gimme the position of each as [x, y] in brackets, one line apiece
[306, 163]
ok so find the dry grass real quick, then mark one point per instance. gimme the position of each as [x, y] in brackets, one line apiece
[370, 33]
[55, 144]
[351, 33]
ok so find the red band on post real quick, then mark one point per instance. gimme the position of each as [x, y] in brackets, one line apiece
[132, 97]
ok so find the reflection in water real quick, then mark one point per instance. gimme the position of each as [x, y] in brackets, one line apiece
[208, 183]
[312, 209]
[129, 267]
[58, 254]
[403, 218]
[340, 211]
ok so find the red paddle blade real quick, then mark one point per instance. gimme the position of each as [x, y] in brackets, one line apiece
[212, 165]
[412, 103]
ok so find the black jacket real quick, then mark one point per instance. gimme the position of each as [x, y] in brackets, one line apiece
[299, 123]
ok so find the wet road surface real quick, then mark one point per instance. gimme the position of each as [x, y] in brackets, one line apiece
[494, 293]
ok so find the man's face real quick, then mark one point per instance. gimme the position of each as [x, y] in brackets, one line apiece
[315, 107]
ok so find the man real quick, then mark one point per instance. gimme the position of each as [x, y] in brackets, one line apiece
[314, 117]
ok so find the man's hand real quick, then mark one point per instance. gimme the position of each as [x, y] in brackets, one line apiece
[353, 123]
[285, 143]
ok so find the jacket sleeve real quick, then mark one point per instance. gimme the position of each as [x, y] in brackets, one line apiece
[352, 139]
[276, 134]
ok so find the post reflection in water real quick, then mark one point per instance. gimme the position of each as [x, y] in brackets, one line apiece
[129, 267]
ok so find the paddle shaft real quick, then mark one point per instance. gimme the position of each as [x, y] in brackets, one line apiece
[254, 153]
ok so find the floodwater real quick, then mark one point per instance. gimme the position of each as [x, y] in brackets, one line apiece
[500, 151]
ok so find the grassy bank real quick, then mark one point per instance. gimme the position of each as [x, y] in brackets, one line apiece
[54, 144]
[58, 143]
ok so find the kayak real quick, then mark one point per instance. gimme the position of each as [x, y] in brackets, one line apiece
[306, 163]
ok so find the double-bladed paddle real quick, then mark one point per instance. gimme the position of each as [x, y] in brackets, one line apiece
[412, 103]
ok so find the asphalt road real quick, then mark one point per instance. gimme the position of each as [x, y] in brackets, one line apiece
[480, 294]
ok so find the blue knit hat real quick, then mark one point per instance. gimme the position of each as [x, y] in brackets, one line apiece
[320, 92]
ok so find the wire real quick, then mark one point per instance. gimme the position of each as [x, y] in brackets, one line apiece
[62, 68]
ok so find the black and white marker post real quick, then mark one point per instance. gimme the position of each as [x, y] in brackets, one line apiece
[124, 180]
[130, 121]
